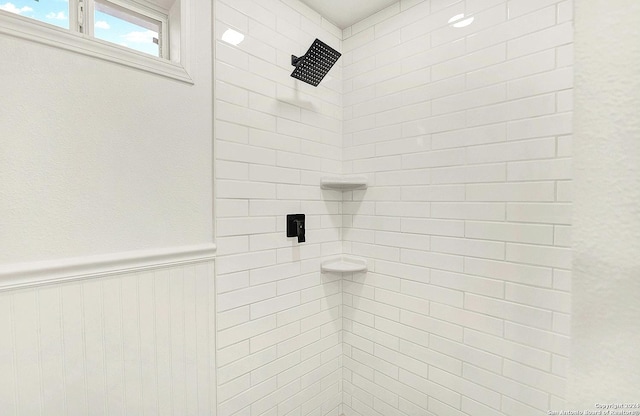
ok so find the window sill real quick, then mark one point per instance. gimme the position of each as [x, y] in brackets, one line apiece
[24, 28]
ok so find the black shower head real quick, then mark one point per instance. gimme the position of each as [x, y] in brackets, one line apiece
[315, 64]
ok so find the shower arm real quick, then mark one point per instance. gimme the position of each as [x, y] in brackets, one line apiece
[295, 61]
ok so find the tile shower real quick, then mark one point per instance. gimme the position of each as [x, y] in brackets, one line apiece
[457, 114]
[464, 136]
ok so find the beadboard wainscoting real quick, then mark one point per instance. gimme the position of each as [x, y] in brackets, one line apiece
[119, 334]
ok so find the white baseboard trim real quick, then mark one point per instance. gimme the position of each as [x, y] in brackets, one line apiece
[23, 275]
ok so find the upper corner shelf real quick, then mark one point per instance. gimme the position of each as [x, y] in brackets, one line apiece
[344, 264]
[344, 182]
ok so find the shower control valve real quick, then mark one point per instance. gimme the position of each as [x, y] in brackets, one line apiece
[295, 227]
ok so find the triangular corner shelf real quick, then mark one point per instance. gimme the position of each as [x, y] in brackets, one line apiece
[343, 264]
[344, 182]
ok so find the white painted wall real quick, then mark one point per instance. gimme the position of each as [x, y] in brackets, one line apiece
[606, 287]
[101, 158]
[279, 341]
[465, 134]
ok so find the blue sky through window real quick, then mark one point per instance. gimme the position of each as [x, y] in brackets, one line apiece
[54, 12]
[121, 32]
[107, 27]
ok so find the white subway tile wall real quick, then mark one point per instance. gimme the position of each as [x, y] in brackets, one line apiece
[279, 340]
[464, 134]
[133, 343]
[465, 137]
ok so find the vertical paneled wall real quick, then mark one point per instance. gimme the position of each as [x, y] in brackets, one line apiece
[465, 134]
[279, 320]
[136, 343]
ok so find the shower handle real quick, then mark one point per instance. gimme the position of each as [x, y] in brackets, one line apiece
[300, 230]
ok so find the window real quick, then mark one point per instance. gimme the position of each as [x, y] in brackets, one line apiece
[121, 22]
[52, 12]
[102, 28]
[130, 26]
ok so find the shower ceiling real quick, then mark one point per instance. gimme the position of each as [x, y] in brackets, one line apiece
[344, 13]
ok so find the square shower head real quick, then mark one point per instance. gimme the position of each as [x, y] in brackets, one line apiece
[314, 65]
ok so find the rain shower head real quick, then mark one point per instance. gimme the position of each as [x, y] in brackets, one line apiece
[315, 64]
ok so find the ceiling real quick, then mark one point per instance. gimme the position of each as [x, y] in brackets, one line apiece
[344, 13]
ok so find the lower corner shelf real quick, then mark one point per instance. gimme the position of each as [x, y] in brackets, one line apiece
[343, 264]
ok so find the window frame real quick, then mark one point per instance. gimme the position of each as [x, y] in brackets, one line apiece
[175, 61]
[131, 9]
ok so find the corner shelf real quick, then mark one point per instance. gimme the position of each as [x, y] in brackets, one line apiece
[343, 264]
[344, 182]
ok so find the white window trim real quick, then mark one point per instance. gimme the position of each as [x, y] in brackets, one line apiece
[133, 8]
[177, 67]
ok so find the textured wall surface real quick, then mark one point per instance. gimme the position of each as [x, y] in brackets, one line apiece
[101, 158]
[465, 134]
[606, 312]
[279, 320]
[136, 343]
